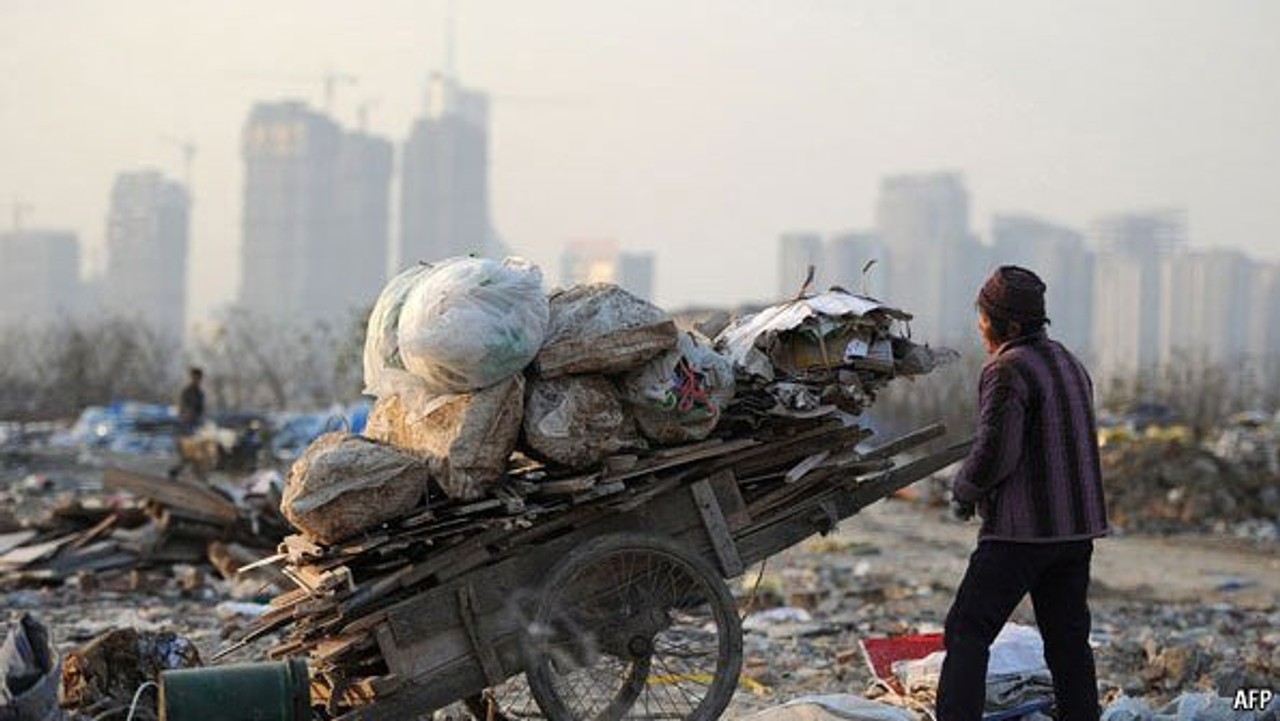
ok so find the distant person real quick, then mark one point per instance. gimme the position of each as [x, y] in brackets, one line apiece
[190, 415]
[1034, 477]
[191, 404]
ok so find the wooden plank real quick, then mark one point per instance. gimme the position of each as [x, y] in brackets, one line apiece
[794, 522]
[194, 499]
[907, 441]
[688, 448]
[10, 541]
[479, 645]
[894, 480]
[26, 555]
[717, 528]
[715, 451]
[799, 470]
[566, 486]
[729, 495]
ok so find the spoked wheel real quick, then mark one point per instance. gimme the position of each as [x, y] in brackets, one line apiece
[633, 627]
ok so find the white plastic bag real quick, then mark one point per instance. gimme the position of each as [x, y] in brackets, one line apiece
[678, 396]
[471, 322]
[384, 372]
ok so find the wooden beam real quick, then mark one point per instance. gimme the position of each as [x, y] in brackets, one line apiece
[717, 528]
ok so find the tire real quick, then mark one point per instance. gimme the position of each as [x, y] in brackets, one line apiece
[631, 626]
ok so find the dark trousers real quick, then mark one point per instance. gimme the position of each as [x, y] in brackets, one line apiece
[1000, 574]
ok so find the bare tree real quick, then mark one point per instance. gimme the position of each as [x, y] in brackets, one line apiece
[253, 361]
[55, 370]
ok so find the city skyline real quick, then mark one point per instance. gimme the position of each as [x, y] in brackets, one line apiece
[693, 133]
[1130, 294]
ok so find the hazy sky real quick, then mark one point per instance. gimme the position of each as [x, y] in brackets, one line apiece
[698, 130]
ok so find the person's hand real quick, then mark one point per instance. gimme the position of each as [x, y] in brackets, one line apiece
[961, 510]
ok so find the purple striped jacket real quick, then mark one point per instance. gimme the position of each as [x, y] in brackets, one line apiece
[1033, 471]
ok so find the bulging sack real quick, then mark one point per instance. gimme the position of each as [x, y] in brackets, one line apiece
[678, 396]
[471, 322]
[465, 439]
[345, 484]
[601, 328]
[577, 420]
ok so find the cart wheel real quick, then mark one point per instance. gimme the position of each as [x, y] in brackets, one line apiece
[632, 626]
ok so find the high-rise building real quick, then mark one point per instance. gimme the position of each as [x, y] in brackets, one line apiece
[40, 276]
[148, 229]
[444, 192]
[797, 251]
[316, 210]
[363, 205]
[1128, 287]
[602, 261]
[635, 274]
[1264, 317]
[1059, 256]
[846, 255]
[1205, 307]
[937, 263]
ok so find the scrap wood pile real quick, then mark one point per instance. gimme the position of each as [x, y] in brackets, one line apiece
[505, 417]
[170, 522]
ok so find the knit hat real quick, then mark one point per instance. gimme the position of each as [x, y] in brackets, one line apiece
[1013, 293]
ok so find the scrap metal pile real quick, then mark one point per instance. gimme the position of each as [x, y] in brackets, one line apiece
[506, 417]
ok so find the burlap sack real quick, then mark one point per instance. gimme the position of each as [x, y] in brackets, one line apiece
[345, 484]
[577, 421]
[466, 439]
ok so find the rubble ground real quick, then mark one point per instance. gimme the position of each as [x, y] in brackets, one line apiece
[1171, 613]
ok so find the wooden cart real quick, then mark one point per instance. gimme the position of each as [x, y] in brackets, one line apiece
[615, 609]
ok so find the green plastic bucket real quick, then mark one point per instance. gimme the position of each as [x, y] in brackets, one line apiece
[244, 692]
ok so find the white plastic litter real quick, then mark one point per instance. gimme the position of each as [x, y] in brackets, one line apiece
[384, 371]
[472, 322]
[1017, 650]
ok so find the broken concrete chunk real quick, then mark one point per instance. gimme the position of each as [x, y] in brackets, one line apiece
[601, 328]
[345, 484]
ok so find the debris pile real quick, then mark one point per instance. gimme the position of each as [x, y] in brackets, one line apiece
[608, 407]
[102, 677]
[1165, 486]
[174, 522]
